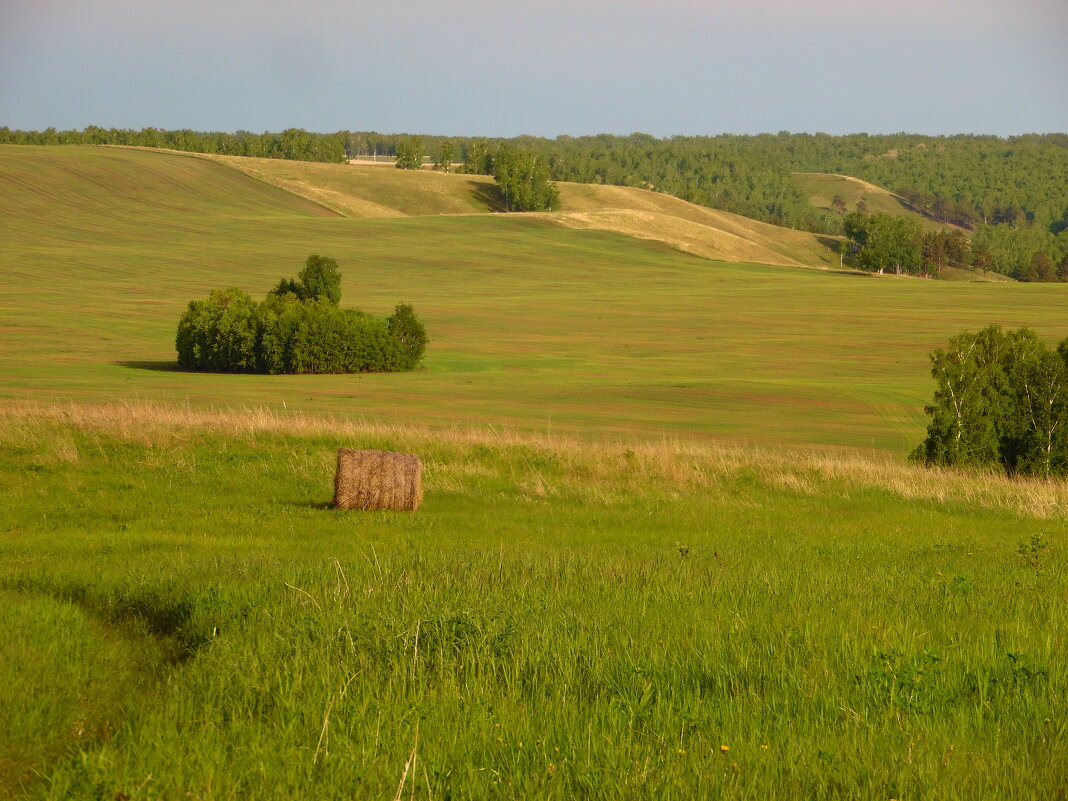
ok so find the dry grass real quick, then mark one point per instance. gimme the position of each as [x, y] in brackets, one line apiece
[604, 470]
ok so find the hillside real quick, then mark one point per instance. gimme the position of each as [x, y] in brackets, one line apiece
[821, 189]
[361, 190]
[533, 325]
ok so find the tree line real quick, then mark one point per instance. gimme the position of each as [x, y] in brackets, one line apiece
[294, 144]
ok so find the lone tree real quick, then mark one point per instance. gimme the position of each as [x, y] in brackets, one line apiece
[410, 154]
[1001, 398]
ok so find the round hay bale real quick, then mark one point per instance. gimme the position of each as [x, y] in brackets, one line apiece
[369, 480]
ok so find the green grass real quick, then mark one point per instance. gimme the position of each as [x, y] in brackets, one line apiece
[557, 621]
[532, 326]
[586, 616]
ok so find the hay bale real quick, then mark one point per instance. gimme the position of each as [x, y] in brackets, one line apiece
[377, 480]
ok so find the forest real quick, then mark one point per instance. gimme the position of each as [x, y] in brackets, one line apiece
[1009, 195]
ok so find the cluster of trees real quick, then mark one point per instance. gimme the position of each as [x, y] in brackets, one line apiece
[880, 242]
[298, 328]
[523, 178]
[1001, 398]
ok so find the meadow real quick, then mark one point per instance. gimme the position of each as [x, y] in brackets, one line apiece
[669, 549]
[532, 326]
[559, 619]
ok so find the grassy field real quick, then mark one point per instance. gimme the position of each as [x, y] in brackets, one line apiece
[669, 547]
[559, 620]
[533, 326]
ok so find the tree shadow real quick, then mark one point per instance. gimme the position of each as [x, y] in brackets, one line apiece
[489, 195]
[161, 367]
[832, 243]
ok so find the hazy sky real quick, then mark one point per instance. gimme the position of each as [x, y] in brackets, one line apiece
[472, 67]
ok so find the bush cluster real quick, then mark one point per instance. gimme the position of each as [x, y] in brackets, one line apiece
[298, 328]
[1001, 399]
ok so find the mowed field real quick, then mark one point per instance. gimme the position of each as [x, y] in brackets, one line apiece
[669, 548]
[532, 326]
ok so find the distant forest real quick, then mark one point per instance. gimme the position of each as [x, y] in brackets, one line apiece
[1009, 195]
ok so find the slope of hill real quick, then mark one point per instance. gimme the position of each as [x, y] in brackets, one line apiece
[533, 325]
[360, 190]
[822, 188]
[91, 189]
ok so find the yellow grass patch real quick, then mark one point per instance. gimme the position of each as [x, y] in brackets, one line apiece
[599, 470]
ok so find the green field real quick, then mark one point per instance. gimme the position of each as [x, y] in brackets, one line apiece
[532, 326]
[670, 547]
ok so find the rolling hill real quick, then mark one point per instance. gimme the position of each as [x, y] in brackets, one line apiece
[361, 190]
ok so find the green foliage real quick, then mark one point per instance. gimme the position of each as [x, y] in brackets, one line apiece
[446, 153]
[219, 334]
[1001, 398]
[523, 178]
[410, 335]
[478, 157]
[319, 280]
[879, 242]
[410, 154]
[298, 328]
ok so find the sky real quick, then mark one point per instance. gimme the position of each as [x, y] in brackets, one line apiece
[545, 68]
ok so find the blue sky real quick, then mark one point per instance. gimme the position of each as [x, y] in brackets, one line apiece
[471, 67]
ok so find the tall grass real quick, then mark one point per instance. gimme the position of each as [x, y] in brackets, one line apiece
[560, 619]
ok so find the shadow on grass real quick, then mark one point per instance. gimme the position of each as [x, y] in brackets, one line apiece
[161, 367]
[832, 243]
[489, 195]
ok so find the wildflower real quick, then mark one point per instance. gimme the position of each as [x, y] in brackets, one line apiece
[682, 751]
[764, 747]
[500, 739]
[724, 749]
